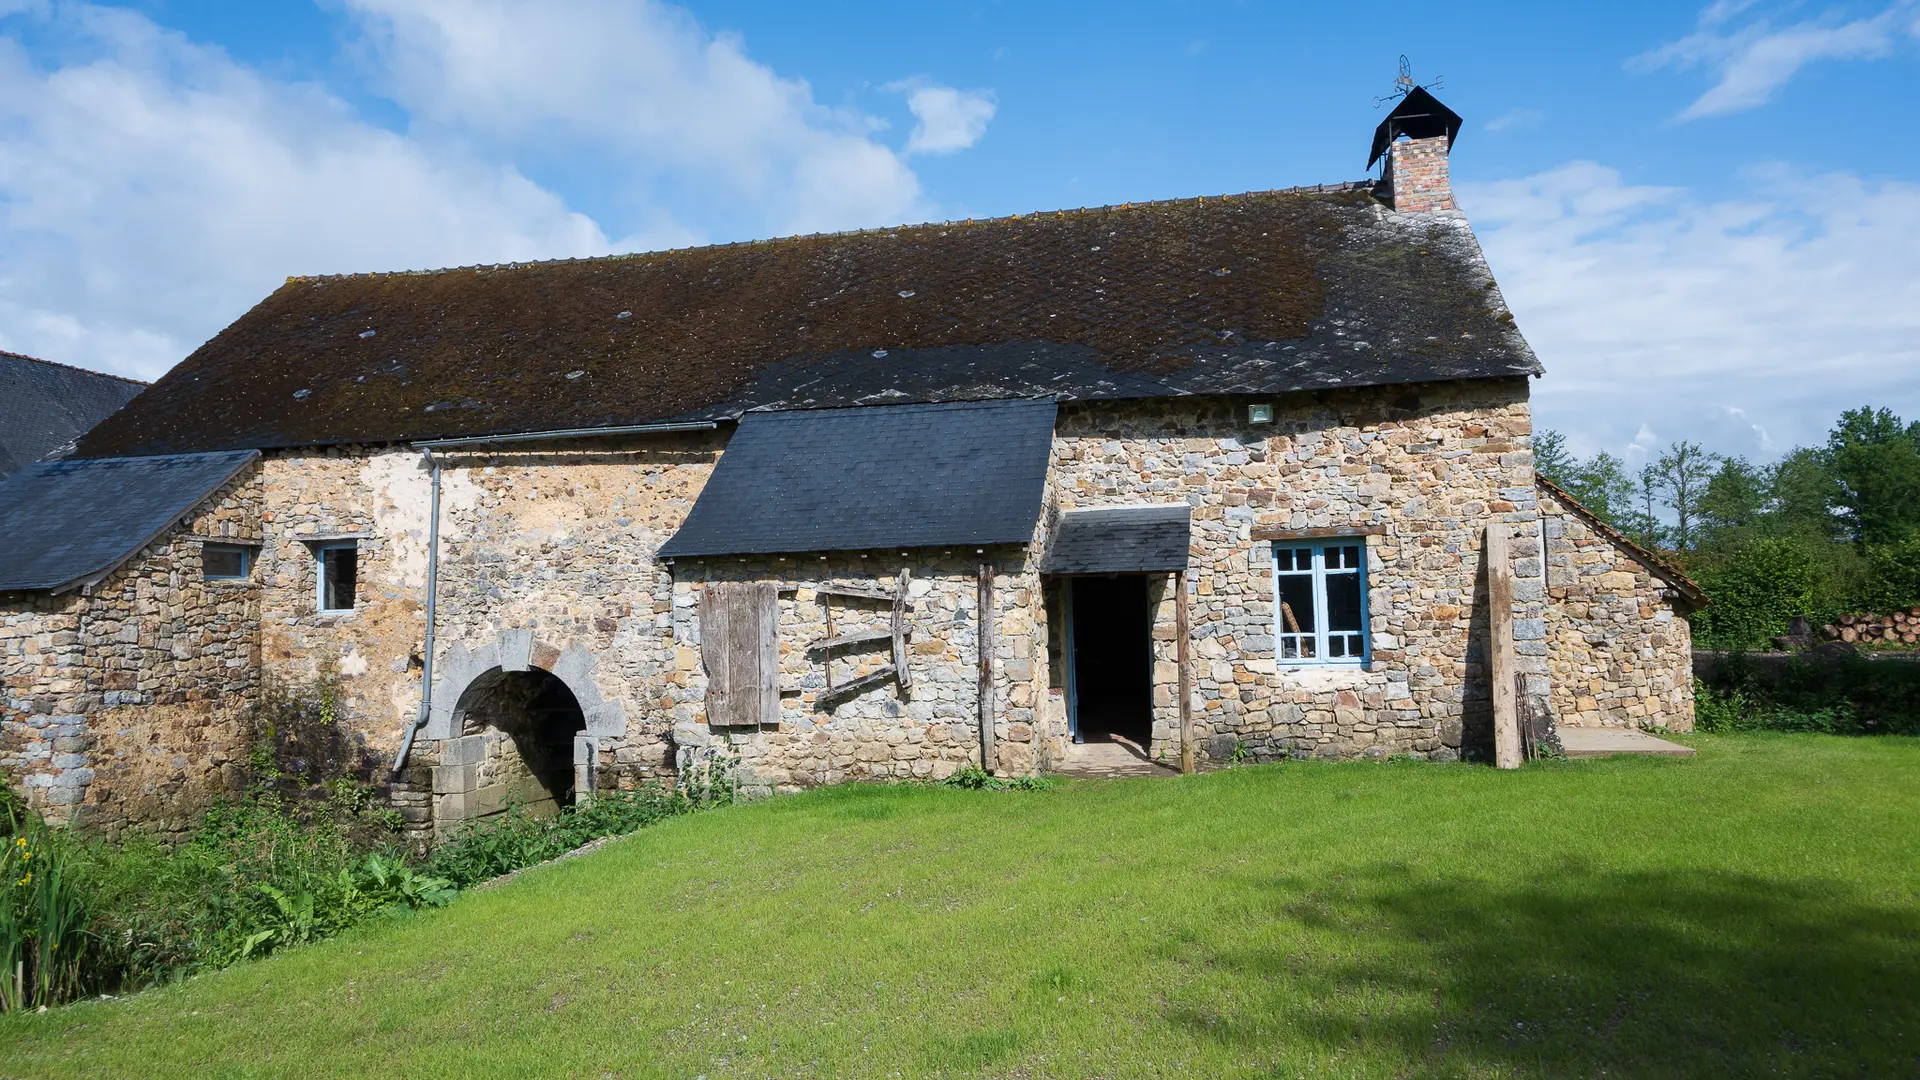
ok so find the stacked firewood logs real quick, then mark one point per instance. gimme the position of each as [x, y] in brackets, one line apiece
[1901, 627]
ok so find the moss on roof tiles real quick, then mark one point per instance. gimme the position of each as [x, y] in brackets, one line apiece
[1265, 291]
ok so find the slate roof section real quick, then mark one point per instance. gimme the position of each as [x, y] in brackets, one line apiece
[45, 406]
[1268, 292]
[1121, 540]
[900, 476]
[69, 523]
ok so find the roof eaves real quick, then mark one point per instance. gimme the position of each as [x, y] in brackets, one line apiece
[1659, 567]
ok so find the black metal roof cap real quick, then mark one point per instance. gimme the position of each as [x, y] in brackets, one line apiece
[1419, 115]
[70, 523]
[893, 476]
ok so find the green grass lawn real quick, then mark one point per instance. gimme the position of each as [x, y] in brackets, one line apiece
[1750, 912]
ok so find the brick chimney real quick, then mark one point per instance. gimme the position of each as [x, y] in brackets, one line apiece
[1416, 176]
[1415, 139]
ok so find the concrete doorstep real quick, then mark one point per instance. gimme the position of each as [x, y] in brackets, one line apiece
[1107, 760]
[1588, 742]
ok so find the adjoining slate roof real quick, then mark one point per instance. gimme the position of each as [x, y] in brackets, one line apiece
[858, 479]
[67, 523]
[1260, 293]
[45, 406]
[1119, 540]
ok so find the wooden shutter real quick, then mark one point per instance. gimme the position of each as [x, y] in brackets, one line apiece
[740, 645]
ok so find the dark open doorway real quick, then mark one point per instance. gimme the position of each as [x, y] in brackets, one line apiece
[1111, 635]
[539, 718]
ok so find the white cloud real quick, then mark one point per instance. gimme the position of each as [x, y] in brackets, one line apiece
[1746, 323]
[946, 120]
[1753, 62]
[1517, 120]
[640, 86]
[151, 188]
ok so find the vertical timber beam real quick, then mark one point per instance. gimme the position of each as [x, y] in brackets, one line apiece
[985, 606]
[1185, 689]
[1506, 711]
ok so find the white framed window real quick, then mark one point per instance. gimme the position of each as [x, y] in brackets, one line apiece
[1320, 601]
[226, 562]
[337, 572]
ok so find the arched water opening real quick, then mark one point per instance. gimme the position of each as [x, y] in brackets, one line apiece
[527, 722]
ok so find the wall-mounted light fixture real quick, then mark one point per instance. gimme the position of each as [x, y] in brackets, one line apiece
[1259, 414]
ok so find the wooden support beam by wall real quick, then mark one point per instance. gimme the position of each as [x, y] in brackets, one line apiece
[1506, 707]
[986, 613]
[1185, 690]
[897, 628]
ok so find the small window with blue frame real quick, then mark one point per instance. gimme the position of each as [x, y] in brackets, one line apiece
[1320, 594]
[339, 573]
[226, 562]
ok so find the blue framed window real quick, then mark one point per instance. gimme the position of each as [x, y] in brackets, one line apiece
[338, 566]
[1320, 601]
[226, 562]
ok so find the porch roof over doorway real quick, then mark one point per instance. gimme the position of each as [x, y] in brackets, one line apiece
[1121, 540]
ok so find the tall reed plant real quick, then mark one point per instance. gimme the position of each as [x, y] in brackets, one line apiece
[45, 943]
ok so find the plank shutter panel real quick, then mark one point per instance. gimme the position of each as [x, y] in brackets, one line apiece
[740, 645]
[760, 609]
[716, 610]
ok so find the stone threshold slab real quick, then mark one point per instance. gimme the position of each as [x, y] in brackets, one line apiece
[1603, 742]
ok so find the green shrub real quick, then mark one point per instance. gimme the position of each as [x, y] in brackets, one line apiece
[1756, 593]
[516, 839]
[255, 876]
[1839, 694]
[975, 778]
[1892, 577]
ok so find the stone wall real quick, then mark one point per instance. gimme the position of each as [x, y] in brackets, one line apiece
[883, 732]
[556, 543]
[1619, 654]
[1421, 468]
[125, 704]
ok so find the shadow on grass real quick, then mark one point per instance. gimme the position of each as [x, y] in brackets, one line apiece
[1583, 973]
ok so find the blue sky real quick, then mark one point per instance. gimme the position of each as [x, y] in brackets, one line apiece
[1707, 218]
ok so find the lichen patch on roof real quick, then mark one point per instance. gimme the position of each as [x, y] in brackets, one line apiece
[1265, 292]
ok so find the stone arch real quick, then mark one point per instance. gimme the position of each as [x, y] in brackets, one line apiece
[487, 764]
[518, 650]
[532, 732]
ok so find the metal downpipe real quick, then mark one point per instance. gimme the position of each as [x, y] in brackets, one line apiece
[433, 596]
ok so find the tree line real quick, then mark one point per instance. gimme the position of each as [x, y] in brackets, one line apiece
[1824, 531]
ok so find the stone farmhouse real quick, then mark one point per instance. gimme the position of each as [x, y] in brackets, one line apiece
[1201, 477]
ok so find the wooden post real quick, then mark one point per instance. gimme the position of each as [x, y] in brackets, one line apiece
[1185, 690]
[986, 664]
[1506, 714]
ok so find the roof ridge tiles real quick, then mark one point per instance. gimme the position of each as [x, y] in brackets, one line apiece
[1337, 188]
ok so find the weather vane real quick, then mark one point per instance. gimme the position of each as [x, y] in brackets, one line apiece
[1405, 85]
